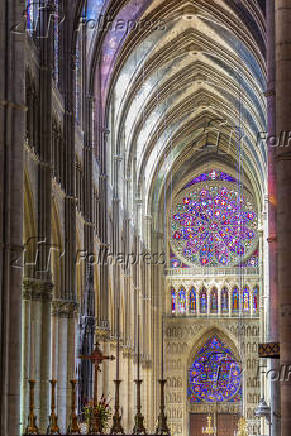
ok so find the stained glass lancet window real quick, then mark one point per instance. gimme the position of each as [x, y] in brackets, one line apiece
[224, 300]
[203, 300]
[173, 297]
[31, 15]
[213, 300]
[255, 299]
[246, 299]
[56, 40]
[215, 375]
[235, 299]
[181, 300]
[192, 300]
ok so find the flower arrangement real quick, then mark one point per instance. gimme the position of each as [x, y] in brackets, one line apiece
[102, 411]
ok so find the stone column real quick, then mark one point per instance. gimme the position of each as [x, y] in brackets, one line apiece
[283, 111]
[273, 312]
[12, 113]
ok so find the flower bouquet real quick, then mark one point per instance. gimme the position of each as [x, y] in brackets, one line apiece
[98, 417]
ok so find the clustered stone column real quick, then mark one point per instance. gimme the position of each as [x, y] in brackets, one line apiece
[12, 113]
[273, 303]
[283, 119]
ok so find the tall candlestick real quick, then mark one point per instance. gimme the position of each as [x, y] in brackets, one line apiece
[162, 360]
[53, 427]
[138, 419]
[74, 426]
[32, 428]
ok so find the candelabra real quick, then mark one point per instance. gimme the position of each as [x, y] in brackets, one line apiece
[210, 430]
[32, 428]
[242, 427]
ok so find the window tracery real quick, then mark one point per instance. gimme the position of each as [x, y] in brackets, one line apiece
[213, 223]
[215, 375]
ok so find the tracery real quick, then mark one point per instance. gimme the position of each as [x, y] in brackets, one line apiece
[215, 375]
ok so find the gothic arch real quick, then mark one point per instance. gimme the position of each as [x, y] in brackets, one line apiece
[207, 334]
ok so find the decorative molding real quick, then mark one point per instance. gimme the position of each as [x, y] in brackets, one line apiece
[37, 290]
[64, 309]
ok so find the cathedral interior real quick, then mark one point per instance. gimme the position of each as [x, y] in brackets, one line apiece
[145, 217]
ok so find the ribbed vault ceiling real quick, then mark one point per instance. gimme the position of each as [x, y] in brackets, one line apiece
[198, 69]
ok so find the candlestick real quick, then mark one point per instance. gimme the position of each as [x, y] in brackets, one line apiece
[53, 427]
[117, 427]
[32, 428]
[210, 430]
[162, 428]
[74, 427]
[138, 419]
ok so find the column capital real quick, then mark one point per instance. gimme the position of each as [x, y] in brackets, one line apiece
[64, 309]
[37, 290]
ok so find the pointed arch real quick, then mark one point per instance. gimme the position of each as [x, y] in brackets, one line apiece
[224, 303]
[181, 300]
[173, 300]
[235, 299]
[213, 360]
[203, 300]
[214, 300]
[192, 300]
[246, 299]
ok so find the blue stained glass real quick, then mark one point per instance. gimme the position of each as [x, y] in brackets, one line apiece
[31, 12]
[173, 292]
[214, 226]
[224, 300]
[215, 376]
[203, 301]
[246, 300]
[56, 40]
[212, 175]
[214, 300]
[182, 300]
[235, 300]
[192, 301]
[255, 299]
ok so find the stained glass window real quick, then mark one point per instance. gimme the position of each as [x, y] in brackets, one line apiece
[192, 300]
[224, 300]
[213, 223]
[246, 299]
[203, 300]
[31, 15]
[214, 300]
[255, 299]
[56, 40]
[235, 299]
[173, 294]
[182, 300]
[215, 376]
